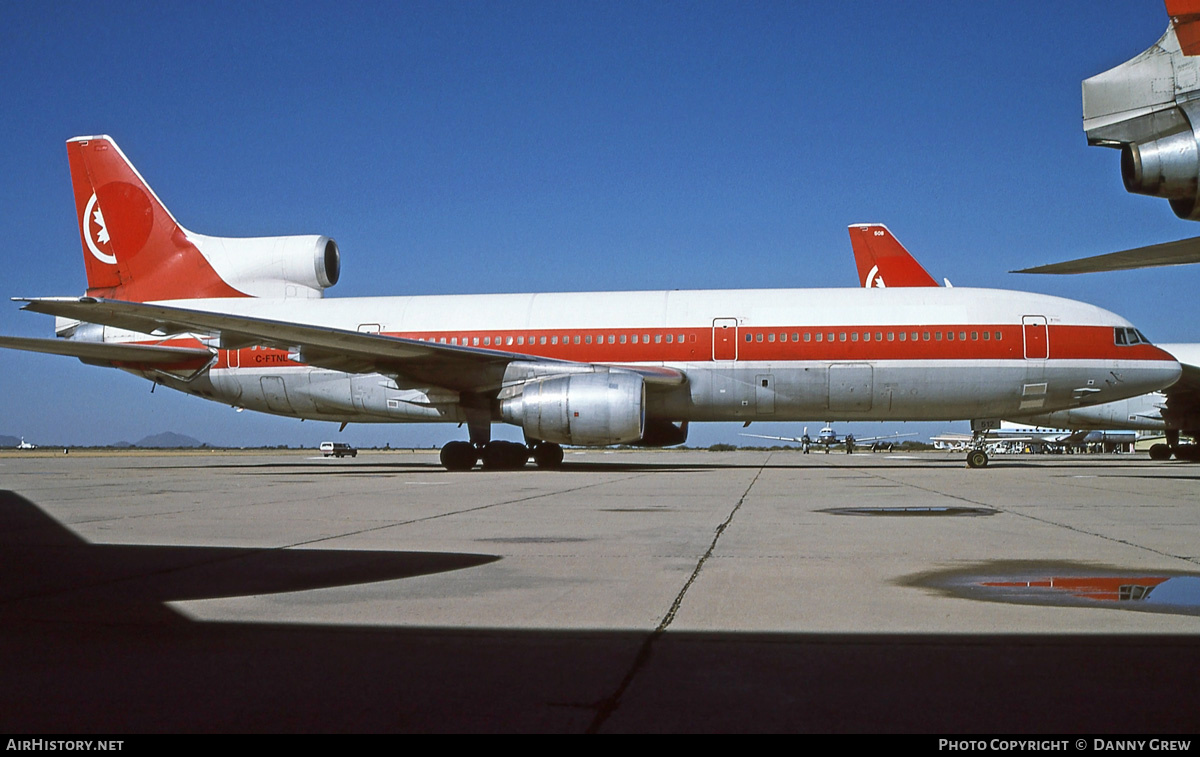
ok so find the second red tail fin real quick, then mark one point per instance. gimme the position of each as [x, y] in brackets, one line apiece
[882, 261]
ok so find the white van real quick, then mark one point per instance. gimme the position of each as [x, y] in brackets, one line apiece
[337, 449]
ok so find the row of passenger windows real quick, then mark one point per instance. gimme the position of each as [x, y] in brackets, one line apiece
[533, 339]
[807, 336]
[878, 336]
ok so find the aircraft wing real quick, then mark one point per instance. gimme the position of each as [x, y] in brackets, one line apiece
[1168, 253]
[793, 439]
[952, 437]
[107, 353]
[869, 439]
[992, 436]
[1075, 437]
[460, 368]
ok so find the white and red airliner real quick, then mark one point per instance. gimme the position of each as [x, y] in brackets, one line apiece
[881, 258]
[244, 322]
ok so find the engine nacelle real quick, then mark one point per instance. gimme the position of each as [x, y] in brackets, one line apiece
[1146, 108]
[1165, 167]
[589, 409]
[295, 266]
[1168, 167]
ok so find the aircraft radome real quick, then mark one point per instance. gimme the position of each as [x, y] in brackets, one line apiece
[245, 322]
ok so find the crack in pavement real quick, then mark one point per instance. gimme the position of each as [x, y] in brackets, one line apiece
[609, 705]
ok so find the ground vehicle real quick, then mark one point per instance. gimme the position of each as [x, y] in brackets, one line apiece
[338, 449]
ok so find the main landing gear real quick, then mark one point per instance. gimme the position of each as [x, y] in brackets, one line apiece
[1187, 452]
[497, 455]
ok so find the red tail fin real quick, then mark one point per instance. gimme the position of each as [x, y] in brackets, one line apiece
[882, 261]
[1185, 17]
[133, 249]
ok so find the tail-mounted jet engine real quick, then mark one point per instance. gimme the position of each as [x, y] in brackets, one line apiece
[293, 266]
[1146, 108]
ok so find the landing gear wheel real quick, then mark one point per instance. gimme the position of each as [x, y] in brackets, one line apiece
[504, 456]
[547, 455]
[459, 456]
[1188, 452]
[977, 458]
[1160, 452]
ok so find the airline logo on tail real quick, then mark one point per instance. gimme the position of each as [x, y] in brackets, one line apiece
[95, 233]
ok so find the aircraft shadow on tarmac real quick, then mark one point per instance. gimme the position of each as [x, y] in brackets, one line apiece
[358, 468]
[87, 645]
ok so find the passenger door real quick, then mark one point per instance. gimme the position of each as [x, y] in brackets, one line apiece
[724, 339]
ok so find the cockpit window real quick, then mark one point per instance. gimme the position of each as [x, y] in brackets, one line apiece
[1127, 336]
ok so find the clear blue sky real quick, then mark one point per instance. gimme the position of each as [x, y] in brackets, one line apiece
[458, 147]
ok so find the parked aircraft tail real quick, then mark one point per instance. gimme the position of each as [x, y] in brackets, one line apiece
[135, 250]
[882, 261]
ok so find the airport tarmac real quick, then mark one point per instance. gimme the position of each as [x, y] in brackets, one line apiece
[679, 591]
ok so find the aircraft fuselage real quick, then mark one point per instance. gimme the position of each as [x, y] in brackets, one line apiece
[748, 355]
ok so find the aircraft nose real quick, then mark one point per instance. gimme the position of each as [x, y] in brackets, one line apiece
[1166, 371]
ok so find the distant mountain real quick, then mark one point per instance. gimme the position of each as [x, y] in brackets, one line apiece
[168, 439]
[9, 441]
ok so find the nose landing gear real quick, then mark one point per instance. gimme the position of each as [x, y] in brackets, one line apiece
[977, 456]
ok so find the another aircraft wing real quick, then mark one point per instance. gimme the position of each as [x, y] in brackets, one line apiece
[793, 439]
[869, 439]
[951, 437]
[1168, 253]
[455, 367]
[992, 436]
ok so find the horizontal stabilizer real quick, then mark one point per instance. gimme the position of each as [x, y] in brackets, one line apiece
[142, 354]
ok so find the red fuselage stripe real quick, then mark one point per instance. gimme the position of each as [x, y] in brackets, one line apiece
[780, 343]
